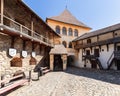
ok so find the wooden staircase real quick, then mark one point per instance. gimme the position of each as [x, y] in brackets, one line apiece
[97, 61]
[113, 58]
[94, 59]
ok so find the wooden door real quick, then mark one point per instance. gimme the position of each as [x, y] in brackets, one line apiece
[96, 52]
[118, 48]
[118, 64]
[87, 52]
[93, 64]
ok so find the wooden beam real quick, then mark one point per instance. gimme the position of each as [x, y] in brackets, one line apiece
[91, 49]
[32, 28]
[100, 47]
[12, 42]
[24, 44]
[107, 47]
[2, 10]
[97, 38]
[113, 34]
[33, 48]
[115, 47]
[40, 48]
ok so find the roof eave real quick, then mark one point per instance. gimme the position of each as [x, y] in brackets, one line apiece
[68, 23]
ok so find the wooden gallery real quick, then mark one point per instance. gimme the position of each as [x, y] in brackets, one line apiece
[25, 41]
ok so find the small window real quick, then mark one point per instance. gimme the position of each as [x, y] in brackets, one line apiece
[64, 31]
[88, 41]
[76, 33]
[116, 34]
[64, 43]
[58, 29]
[70, 32]
[70, 45]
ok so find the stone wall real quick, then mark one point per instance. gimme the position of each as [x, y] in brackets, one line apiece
[5, 44]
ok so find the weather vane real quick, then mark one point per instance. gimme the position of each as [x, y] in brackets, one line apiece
[66, 4]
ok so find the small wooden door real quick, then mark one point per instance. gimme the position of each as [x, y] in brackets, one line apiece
[93, 64]
[96, 52]
[87, 52]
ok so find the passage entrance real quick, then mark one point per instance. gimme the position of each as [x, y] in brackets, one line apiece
[58, 63]
[58, 58]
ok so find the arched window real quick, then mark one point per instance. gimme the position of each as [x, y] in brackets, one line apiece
[64, 43]
[70, 45]
[70, 32]
[58, 29]
[88, 41]
[76, 33]
[64, 31]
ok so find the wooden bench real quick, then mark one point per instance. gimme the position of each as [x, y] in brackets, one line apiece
[13, 83]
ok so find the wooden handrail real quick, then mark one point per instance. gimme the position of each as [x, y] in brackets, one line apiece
[44, 39]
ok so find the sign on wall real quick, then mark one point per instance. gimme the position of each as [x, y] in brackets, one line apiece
[12, 52]
[33, 54]
[24, 54]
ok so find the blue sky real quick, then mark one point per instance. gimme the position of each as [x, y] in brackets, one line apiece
[94, 13]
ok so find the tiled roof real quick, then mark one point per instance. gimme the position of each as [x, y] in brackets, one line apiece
[67, 17]
[58, 49]
[98, 32]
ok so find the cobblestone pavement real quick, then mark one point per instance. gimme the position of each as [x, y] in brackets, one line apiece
[73, 82]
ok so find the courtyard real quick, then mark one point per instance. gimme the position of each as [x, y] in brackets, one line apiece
[73, 82]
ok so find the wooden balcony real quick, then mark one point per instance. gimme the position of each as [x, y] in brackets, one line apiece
[104, 42]
[11, 27]
[89, 57]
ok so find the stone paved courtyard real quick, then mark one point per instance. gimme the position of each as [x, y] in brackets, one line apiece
[73, 82]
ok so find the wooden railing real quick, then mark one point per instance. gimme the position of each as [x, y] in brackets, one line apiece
[111, 58]
[104, 42]
[21, 29]
[89, 56]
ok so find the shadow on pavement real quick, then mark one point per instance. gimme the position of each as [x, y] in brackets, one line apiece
[109, 76]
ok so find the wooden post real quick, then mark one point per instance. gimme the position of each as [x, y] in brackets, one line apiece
[97, 38]
[2, 10]
[53, 39]
[24, 44]
[32, 28]
[12, 42]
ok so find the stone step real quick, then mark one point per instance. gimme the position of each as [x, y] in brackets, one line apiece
[44, 68]
[46, 71]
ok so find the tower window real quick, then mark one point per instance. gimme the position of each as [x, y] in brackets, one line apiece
[64, 31]
[76, 33]
[88, 41]
[70, 32]
[58, 29]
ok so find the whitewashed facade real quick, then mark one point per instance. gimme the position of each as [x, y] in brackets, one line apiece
[99, 49]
